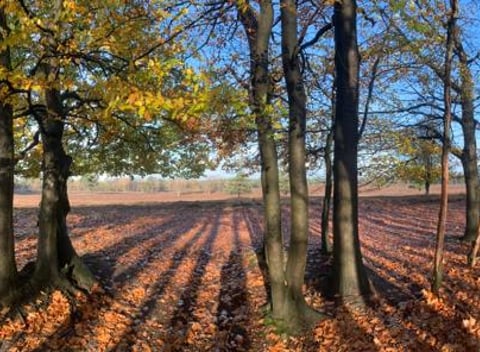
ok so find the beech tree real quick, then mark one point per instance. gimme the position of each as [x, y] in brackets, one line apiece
[295, 305]
[89, 72]
[349, 275]
[258, 28]
[8, 270]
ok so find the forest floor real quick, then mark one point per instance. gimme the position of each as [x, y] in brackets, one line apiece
[185, 276]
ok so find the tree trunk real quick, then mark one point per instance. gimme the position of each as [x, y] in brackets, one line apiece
[8, 269]
[258, 28]
[349, 276]
[469, 153]
[442, 215]
[56, 257]
[328, 188]
[296, 308]
[470, 169]
[472, 256]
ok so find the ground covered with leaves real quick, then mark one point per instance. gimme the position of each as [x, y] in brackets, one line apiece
[187, 277]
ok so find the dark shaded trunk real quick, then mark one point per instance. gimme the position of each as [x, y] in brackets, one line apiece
[56, 257]
[258, 28]
[327, 158]
[8, 269]
[469, 153]
[349, 276]
[296, 309]
[442, 215]
[427, 188]
[327, 195]
[470, 168]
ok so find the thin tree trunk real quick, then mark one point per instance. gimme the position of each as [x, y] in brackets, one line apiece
[258, 28]
[328, 193]
[8, 269]
[327, 157]
[472, 256]
[349, 276]
[442, 216]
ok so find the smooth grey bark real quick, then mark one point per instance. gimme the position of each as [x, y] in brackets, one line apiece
[447, 99]
[349, 275]
[297, 252]
[8, 268]
[258, 28]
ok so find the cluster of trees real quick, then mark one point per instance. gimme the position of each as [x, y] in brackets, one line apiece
[140, 87]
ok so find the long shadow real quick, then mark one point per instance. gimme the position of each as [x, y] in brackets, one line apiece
[182, 316]
[233, 309]
[103, 261]
[255, 231]
[99, 264]
[151, 306]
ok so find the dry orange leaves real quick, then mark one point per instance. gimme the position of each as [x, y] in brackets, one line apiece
[186, 276]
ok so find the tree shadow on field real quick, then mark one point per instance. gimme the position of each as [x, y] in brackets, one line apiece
[150, 307]
[256, 233]
[102, 263]
[182, 318]
[233, 309]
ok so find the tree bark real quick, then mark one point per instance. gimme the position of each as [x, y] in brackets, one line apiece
[258, 29]
[442, 215]
[8, 268]
[328, 184]
[56, 257]
[469, 158]
[349, 276]
[297, 310]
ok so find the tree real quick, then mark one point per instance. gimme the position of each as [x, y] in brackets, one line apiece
[94, 80]
[239, 185]
[258, 28]
[419, 161]
[442, 216]
[349, 276]
[8, 270]
[419, 40]
[295, 306]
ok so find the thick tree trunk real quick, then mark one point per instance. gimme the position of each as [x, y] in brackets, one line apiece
[8, 269]
[56, 257]
[442, 215]
[258, 28]
[349, 276]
